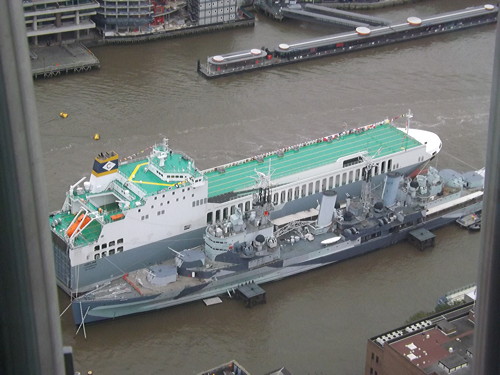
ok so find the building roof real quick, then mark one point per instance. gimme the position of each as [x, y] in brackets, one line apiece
[438, 344]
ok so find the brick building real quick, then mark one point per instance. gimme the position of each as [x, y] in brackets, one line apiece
[440, 344]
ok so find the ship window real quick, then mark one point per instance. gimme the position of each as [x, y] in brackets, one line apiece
[224, 213]
[275, 198]
[209, 218]
[356, 160]
[184, 197]
[296, 195]
[142, 217]
[310, 191]
[104, 246]
[120, 240]
[173, 193]
[337, 180]
[120, 249]
[194, 203]
[358, 172]
[247, 206]
[163, 212]
[233, 209]
[96, 256]
[152, 206]
[183, 190]
[289, 198]
[112, 243]
[317, 187]
[382, 167]
[168, 202]
[104, 253]
[205, 200]
[192, 195]
[161, 204]
[323, 185]
[282, 200]
[217, 215]
[156, 198]
[139, 210]
[177, 200]
[389, 165]
[186, 227]
[158, 213]
[96, 248]
[147, 216]
[303, 191]
[344, 178]
[330, 182]
[163, 196]
[350, 176]
[111, 252]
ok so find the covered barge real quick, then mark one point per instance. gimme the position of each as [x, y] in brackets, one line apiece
[362, 37]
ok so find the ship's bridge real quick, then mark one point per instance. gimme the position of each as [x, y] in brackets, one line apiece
[163, 169]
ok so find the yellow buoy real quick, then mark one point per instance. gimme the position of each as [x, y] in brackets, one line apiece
[63, 114]
[97, 137]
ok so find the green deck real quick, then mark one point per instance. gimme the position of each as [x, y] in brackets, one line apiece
[385, 138]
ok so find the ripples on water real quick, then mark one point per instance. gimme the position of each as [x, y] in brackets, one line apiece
[316, 321]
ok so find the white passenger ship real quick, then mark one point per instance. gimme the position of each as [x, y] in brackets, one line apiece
[126, 216]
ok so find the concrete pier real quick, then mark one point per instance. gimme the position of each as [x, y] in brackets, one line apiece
[421, 238]
[252, 294]
[52, 61]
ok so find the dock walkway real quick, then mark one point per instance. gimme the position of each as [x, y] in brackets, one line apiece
[371, 20]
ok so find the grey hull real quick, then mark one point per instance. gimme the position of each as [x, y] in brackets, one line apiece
[319, 255]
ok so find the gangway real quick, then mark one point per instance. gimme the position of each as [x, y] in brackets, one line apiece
[374, 21]
[303, 15]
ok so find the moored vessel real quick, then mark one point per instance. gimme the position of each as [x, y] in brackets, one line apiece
[253, 248]
[128, 213]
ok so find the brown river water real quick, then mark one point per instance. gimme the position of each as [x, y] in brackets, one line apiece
[315, 323]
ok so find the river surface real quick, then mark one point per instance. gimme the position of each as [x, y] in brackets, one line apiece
[315, 323]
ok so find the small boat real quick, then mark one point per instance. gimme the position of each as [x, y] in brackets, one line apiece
[471, 221]
[475, 226]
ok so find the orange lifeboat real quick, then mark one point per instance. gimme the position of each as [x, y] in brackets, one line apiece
[78, 224]
[117, 217]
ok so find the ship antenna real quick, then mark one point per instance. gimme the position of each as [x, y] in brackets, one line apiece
[409, 116]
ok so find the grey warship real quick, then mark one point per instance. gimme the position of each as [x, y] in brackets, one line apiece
[252, 248]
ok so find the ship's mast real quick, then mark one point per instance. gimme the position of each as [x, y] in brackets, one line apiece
[408, 116]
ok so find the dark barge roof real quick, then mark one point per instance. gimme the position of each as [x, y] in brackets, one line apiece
[361, 38]
[383, 30]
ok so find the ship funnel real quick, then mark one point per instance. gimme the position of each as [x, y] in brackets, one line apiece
[392, 181]
[105, 165]
[327, 208]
